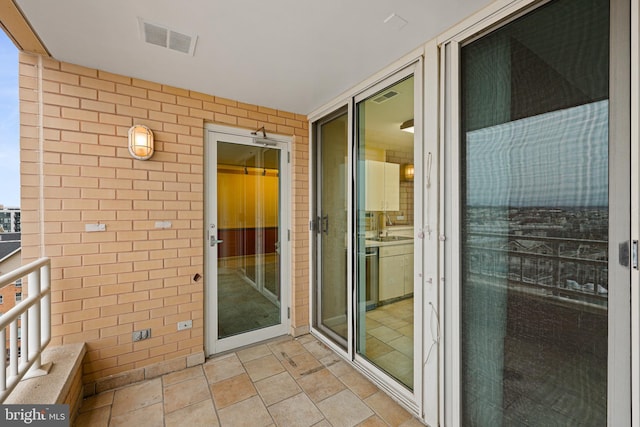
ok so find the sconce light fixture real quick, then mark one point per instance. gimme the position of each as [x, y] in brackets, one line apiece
[408, 172]
[407, 126]
[140, 142]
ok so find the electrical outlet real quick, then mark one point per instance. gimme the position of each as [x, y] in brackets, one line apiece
[185, 324]
[142, 334]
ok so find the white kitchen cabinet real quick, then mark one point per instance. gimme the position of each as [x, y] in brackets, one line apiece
[396, 271]
[391, 277]
[382, 186]
[408, 273]
[391, 187]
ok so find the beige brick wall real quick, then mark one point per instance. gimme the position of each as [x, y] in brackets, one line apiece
[76, 169]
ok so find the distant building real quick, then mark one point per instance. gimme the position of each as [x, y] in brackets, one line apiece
[9, 220]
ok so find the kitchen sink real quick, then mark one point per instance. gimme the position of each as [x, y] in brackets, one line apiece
[390, 238]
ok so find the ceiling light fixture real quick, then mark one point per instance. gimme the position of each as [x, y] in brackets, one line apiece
[407, 126]
[140, 142]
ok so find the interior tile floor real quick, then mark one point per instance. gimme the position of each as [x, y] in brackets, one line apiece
[285, 382]
[389, 339]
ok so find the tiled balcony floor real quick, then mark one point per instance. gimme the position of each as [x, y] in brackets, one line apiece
[288, 382]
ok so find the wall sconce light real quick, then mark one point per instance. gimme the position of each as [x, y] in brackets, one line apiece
[140, 142]
[407, 126]
[408, 172]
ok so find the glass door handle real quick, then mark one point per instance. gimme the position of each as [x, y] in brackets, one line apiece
[213, 241]
[325, 224]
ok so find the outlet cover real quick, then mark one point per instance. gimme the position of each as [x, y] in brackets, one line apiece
[140, 335]
[186, 324]
[90, 228]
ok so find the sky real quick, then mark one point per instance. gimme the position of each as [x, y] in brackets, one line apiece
[9, 124]
[555, 159]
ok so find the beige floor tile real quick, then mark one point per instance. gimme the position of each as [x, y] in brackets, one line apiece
[384, 333]
[359, 385]
[318, 350]
[406, 331]
[388, 409]
[305, 339]
[397, 323]
[341, 368]
[221, 368]
[253, 353]
[310, 386]
[320, 385]
[248, 413]
[395, 363]
[372, 324]
[332, 359]
[182, 375]
[344, 409]
[277, 388]
[374, 421]
[232, 390]
[286, 349]
[263, 367]
[296, 411]
[302, 364]
[185, 393]
[413, 422]
[404, 345]
[137, 396]
[376, 348]
[98, 417]
[97, 401]
[149, 416]
[378, 314]
[201, 414]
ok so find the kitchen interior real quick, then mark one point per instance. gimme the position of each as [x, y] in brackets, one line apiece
[386, 230]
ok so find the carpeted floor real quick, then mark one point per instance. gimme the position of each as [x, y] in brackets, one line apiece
[241, 308]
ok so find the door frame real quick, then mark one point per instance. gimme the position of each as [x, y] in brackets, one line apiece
[449, 45]
[425, 247]
[213, 345]
[316, 239]
[411, 399]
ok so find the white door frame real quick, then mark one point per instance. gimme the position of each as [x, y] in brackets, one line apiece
[411, 399]
[213, 133]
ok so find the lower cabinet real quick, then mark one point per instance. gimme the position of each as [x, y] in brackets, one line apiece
[396, 271]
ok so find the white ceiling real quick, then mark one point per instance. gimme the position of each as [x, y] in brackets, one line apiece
[293, 55]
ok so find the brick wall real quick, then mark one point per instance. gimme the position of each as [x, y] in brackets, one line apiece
[76, 169]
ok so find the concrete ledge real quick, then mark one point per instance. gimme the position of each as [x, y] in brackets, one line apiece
[62, 384]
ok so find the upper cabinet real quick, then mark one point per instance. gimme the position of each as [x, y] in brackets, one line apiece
[383, 186]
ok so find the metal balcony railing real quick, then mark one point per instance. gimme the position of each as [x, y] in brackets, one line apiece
[28, 324]
[572, 268]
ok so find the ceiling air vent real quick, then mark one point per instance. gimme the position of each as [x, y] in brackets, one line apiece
[385, 97]
[163, 36]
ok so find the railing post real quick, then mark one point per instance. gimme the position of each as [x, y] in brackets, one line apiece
[45, 285]
[33, 328]
[33, 315]
[3, 360]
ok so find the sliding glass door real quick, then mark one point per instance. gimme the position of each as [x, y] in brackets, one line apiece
[330, 227]
[367, 255]
[385, 228]
[544, 221]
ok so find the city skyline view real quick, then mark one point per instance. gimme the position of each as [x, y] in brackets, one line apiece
[9, 124]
